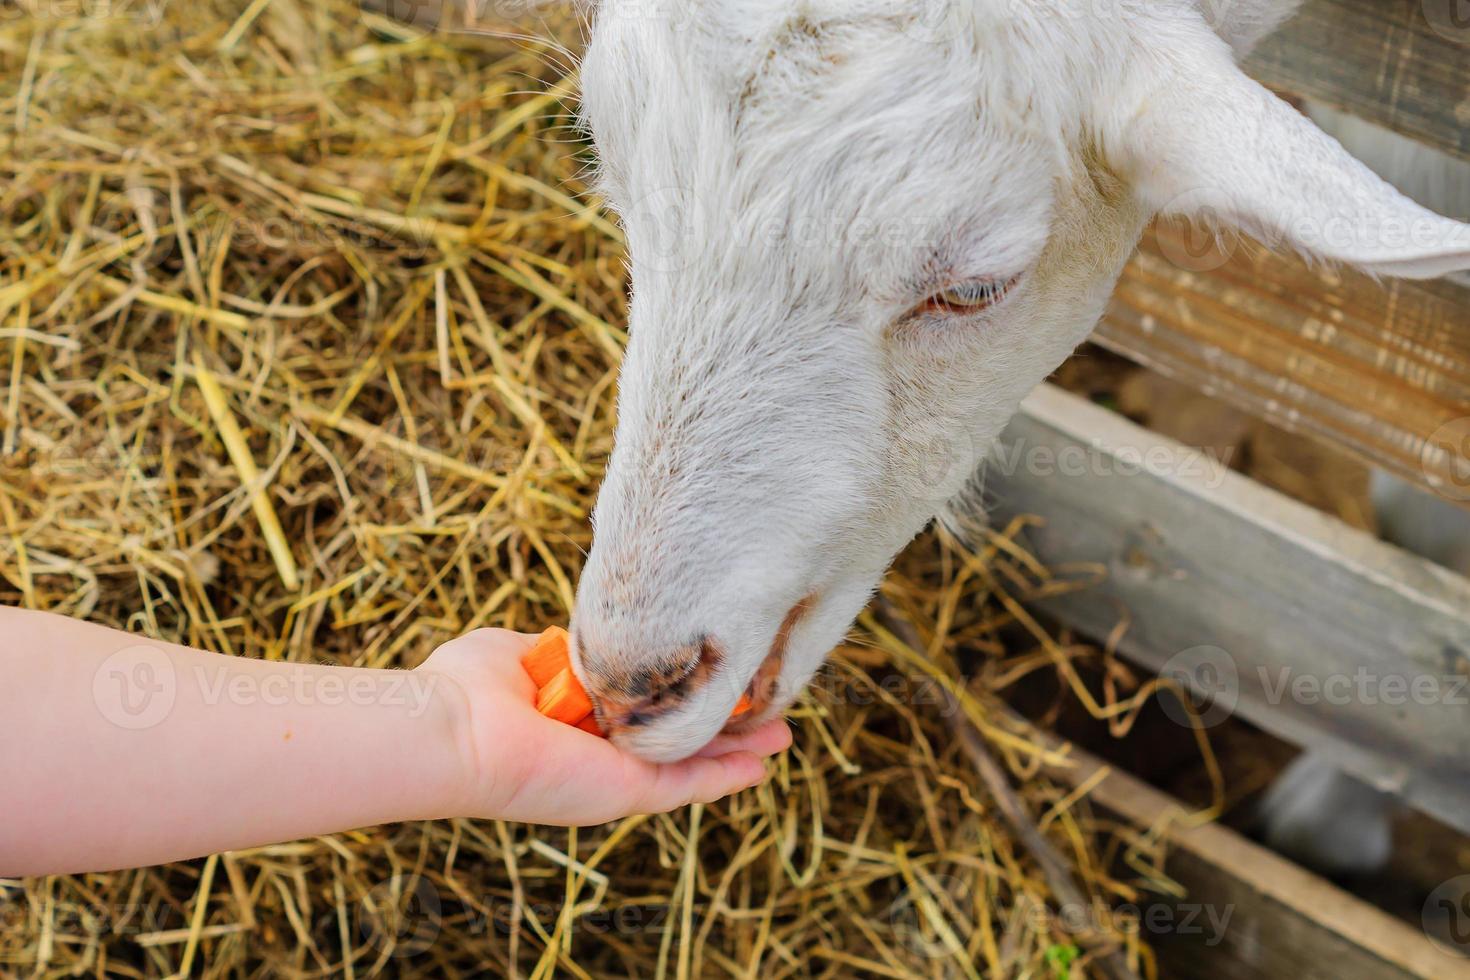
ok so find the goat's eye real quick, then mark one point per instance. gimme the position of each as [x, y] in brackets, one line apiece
[968, 297]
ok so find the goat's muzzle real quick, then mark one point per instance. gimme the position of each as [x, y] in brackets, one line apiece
[636, 697]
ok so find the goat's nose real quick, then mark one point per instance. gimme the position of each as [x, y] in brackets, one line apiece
[629, 692]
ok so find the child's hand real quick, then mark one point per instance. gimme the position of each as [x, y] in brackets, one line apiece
[522, 766]
[109, 723]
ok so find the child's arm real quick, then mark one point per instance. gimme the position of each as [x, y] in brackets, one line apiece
[121, 751]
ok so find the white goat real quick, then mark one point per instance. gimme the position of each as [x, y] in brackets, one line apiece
[860, 231]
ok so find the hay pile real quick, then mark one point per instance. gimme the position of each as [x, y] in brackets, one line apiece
[372, 242]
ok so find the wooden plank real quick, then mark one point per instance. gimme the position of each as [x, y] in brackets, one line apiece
[1249, 914]
[1381, 369]
[1403, 64]
[1323, 635]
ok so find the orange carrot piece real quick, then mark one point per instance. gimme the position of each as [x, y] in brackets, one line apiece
[549, 657]
[559, 694]
[564, 699]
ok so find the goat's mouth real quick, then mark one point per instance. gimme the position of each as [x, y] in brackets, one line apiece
[765, 686]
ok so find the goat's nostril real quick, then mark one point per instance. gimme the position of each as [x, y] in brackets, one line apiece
[637, 695]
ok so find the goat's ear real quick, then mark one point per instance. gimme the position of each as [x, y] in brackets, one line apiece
[1202, 140]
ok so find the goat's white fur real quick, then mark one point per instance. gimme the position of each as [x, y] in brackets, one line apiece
[794, 176]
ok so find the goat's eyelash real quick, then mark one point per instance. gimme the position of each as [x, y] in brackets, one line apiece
[970, 296]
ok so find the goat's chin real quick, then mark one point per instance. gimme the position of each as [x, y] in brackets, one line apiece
[675, 739]
[773, 685]
[666, 740]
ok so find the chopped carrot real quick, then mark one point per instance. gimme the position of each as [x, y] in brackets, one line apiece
[564, 699]
[549, 657]
[559, 695]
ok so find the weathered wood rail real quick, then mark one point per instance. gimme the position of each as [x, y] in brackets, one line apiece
[1378, 369]
[1247, 913]
[1402, 64]
[1316, 632]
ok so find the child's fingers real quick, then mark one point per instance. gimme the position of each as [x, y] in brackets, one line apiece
[767, 740]
[496, 650]
[698, 780]
[504, 644]
[583, 779]
[772, 737]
